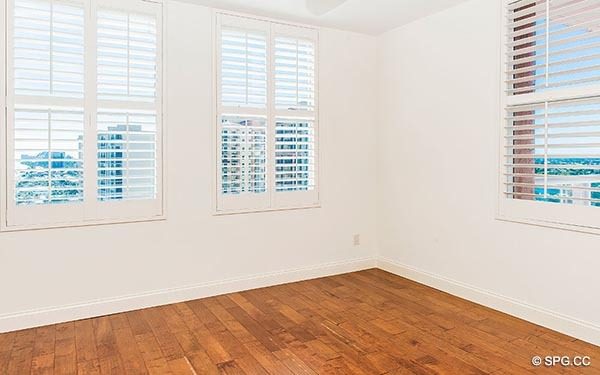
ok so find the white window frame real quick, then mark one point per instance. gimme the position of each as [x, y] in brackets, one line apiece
[90, 211]
[272, 199]
[562, 216]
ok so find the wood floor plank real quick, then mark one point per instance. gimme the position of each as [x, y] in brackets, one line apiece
[267, 359]
[65, 350]
[169, 346]
[131, 358]
[43, 351]
[85, 341]
[6, 346]
[22, 353]
[106, 347]
[205, 338]
[194, 353]
[155, 362]
[367, 322]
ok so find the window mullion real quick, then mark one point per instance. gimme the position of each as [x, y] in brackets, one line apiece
[546, 105]
[90, 144]
[547, 58]
[271, 119]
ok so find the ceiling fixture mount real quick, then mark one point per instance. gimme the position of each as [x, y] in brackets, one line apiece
[320, 7]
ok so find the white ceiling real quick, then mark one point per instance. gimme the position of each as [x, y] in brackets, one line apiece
[365, 16]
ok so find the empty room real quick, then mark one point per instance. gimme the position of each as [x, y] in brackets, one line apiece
[292, 187]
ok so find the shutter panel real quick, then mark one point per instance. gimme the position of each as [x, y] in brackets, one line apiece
[294, 74]
[243, 155]
[553, 152]
[551, 139]
[296, 108]
[243, 93]
[127, 56]
[48, 146]
[552, 44]
[128, 119]
[48, 49]
[243, 68]
[126, 155]
[47, 67]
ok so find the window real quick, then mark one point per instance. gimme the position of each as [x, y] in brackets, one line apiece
[551, 128]
[266, 115]
[84, 112]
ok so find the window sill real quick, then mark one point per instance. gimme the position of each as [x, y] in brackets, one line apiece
[550, 224]
[91, 223]
[263, 210]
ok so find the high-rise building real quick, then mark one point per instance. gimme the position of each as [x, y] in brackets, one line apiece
[126, 166]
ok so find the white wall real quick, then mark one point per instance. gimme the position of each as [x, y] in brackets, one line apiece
[437, 164]
[62, 274]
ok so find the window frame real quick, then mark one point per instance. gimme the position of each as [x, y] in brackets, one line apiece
[90, 211]
[274, 201]
[561, 216]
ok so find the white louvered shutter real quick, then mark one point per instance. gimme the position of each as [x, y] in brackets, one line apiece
[552, 44]
[555, 152]
[48, 155]
[243, 68]
[82, 132]
[243, 154]
[266, 114]
[48, 55]
[551, 137]
[294, 73]
[294, 155]
[128, 120]
[295, 79]
[45, 92]
[295, 83]
[243, 96]
[127, 56]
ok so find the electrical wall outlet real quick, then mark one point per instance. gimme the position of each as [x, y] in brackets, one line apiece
[356, 239]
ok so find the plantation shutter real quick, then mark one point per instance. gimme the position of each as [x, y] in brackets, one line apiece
[243, 68]
[48, 49]
[552, 44]
[243, 113]
[295, 99]
[294, 74]
[45, 110]
[84, 137]
[128, 114]
[551, 132]
[266, 114]
[556, 152]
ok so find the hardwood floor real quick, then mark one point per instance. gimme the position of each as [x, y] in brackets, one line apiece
[368, 322]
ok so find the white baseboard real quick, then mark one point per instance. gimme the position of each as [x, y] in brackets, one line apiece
[584, 331]
[34, 318]
[58, 314]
